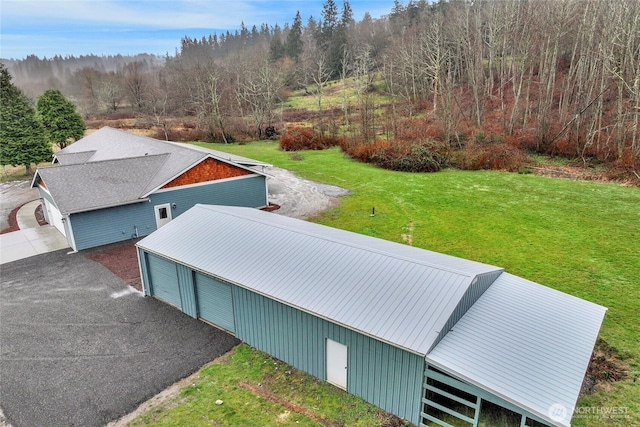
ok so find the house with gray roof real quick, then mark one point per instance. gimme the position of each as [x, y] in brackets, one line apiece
[434, 339]
[113, 185]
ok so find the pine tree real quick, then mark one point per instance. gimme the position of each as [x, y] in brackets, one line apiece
[62, 123]
[22, 136]
[329, 23]
[276, 48]
[294, 38]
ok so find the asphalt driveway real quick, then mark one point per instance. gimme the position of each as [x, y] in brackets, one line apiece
[79, 347]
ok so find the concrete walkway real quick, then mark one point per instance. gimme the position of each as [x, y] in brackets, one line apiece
[32, 238]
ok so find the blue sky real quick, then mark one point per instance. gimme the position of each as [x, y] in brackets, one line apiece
[107, 27]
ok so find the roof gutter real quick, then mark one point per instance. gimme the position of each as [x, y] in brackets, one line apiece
[113, 205]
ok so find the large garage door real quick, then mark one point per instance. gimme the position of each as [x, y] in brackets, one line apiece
[164, 280]
[215, 303]
[54, 216]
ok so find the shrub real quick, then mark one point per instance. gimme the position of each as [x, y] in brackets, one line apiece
[491, 157]
[626, 168]
[179, 134]
[425, 156]
[301, 138]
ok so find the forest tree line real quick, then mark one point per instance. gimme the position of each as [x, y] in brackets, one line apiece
[559, 77]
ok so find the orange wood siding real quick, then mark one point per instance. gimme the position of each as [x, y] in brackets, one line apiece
[207, 170]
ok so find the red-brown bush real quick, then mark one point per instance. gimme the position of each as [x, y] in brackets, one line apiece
[626, 168]
[496, 156]
[301, 138]
[180, 134]
[424, 156]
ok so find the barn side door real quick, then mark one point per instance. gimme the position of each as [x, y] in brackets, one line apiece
[337, 364]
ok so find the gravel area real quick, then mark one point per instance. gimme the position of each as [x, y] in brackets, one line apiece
[301, 198]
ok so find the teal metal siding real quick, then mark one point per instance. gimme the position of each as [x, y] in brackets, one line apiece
[164, 280]
[104, 226]
[379, 373]
[215, 302]
[187, 290]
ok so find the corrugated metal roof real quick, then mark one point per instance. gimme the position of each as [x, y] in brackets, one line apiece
[526, 343]
[123, 167]
[386, 290]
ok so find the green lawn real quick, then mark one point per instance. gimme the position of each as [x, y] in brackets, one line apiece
[258, 390]
[582, 238]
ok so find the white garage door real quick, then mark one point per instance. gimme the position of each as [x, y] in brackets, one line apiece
[54, 216]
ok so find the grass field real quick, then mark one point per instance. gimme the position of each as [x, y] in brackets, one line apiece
[582, 238]
[258, 390]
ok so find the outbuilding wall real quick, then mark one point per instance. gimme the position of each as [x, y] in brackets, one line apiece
[104, 226]
[384, 375]
[379, 373]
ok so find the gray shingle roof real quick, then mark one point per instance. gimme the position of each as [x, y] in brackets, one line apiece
[386, 290]
[525, 342]
[108, 143]
[95, 185]
[111, 167]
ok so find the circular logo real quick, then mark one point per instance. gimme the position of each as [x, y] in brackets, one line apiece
[557, 412]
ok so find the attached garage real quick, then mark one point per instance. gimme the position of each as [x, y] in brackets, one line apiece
[431, 338]
[54, 217]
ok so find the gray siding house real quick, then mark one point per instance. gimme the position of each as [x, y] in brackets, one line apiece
[428, 337]
[113, 185]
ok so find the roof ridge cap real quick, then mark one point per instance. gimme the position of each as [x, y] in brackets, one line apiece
[346, 243]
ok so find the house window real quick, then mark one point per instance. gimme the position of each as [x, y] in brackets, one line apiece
[162, 213]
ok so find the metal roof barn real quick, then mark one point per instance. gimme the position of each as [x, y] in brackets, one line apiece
[458, 321]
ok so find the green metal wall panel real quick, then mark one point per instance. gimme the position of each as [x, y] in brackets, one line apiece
[214, 301]
[386, 376]
[187, 291]
[164, 280]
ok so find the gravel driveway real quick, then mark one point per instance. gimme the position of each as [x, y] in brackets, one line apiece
[300, 198]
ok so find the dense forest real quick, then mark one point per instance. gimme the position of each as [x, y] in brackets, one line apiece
[554, 77]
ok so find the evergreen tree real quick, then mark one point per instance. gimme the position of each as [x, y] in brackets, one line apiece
[329, 23]
[22, 136]
[294, 38]
[346, 19]
[276, 48]
[312, 28]
[62, 123]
